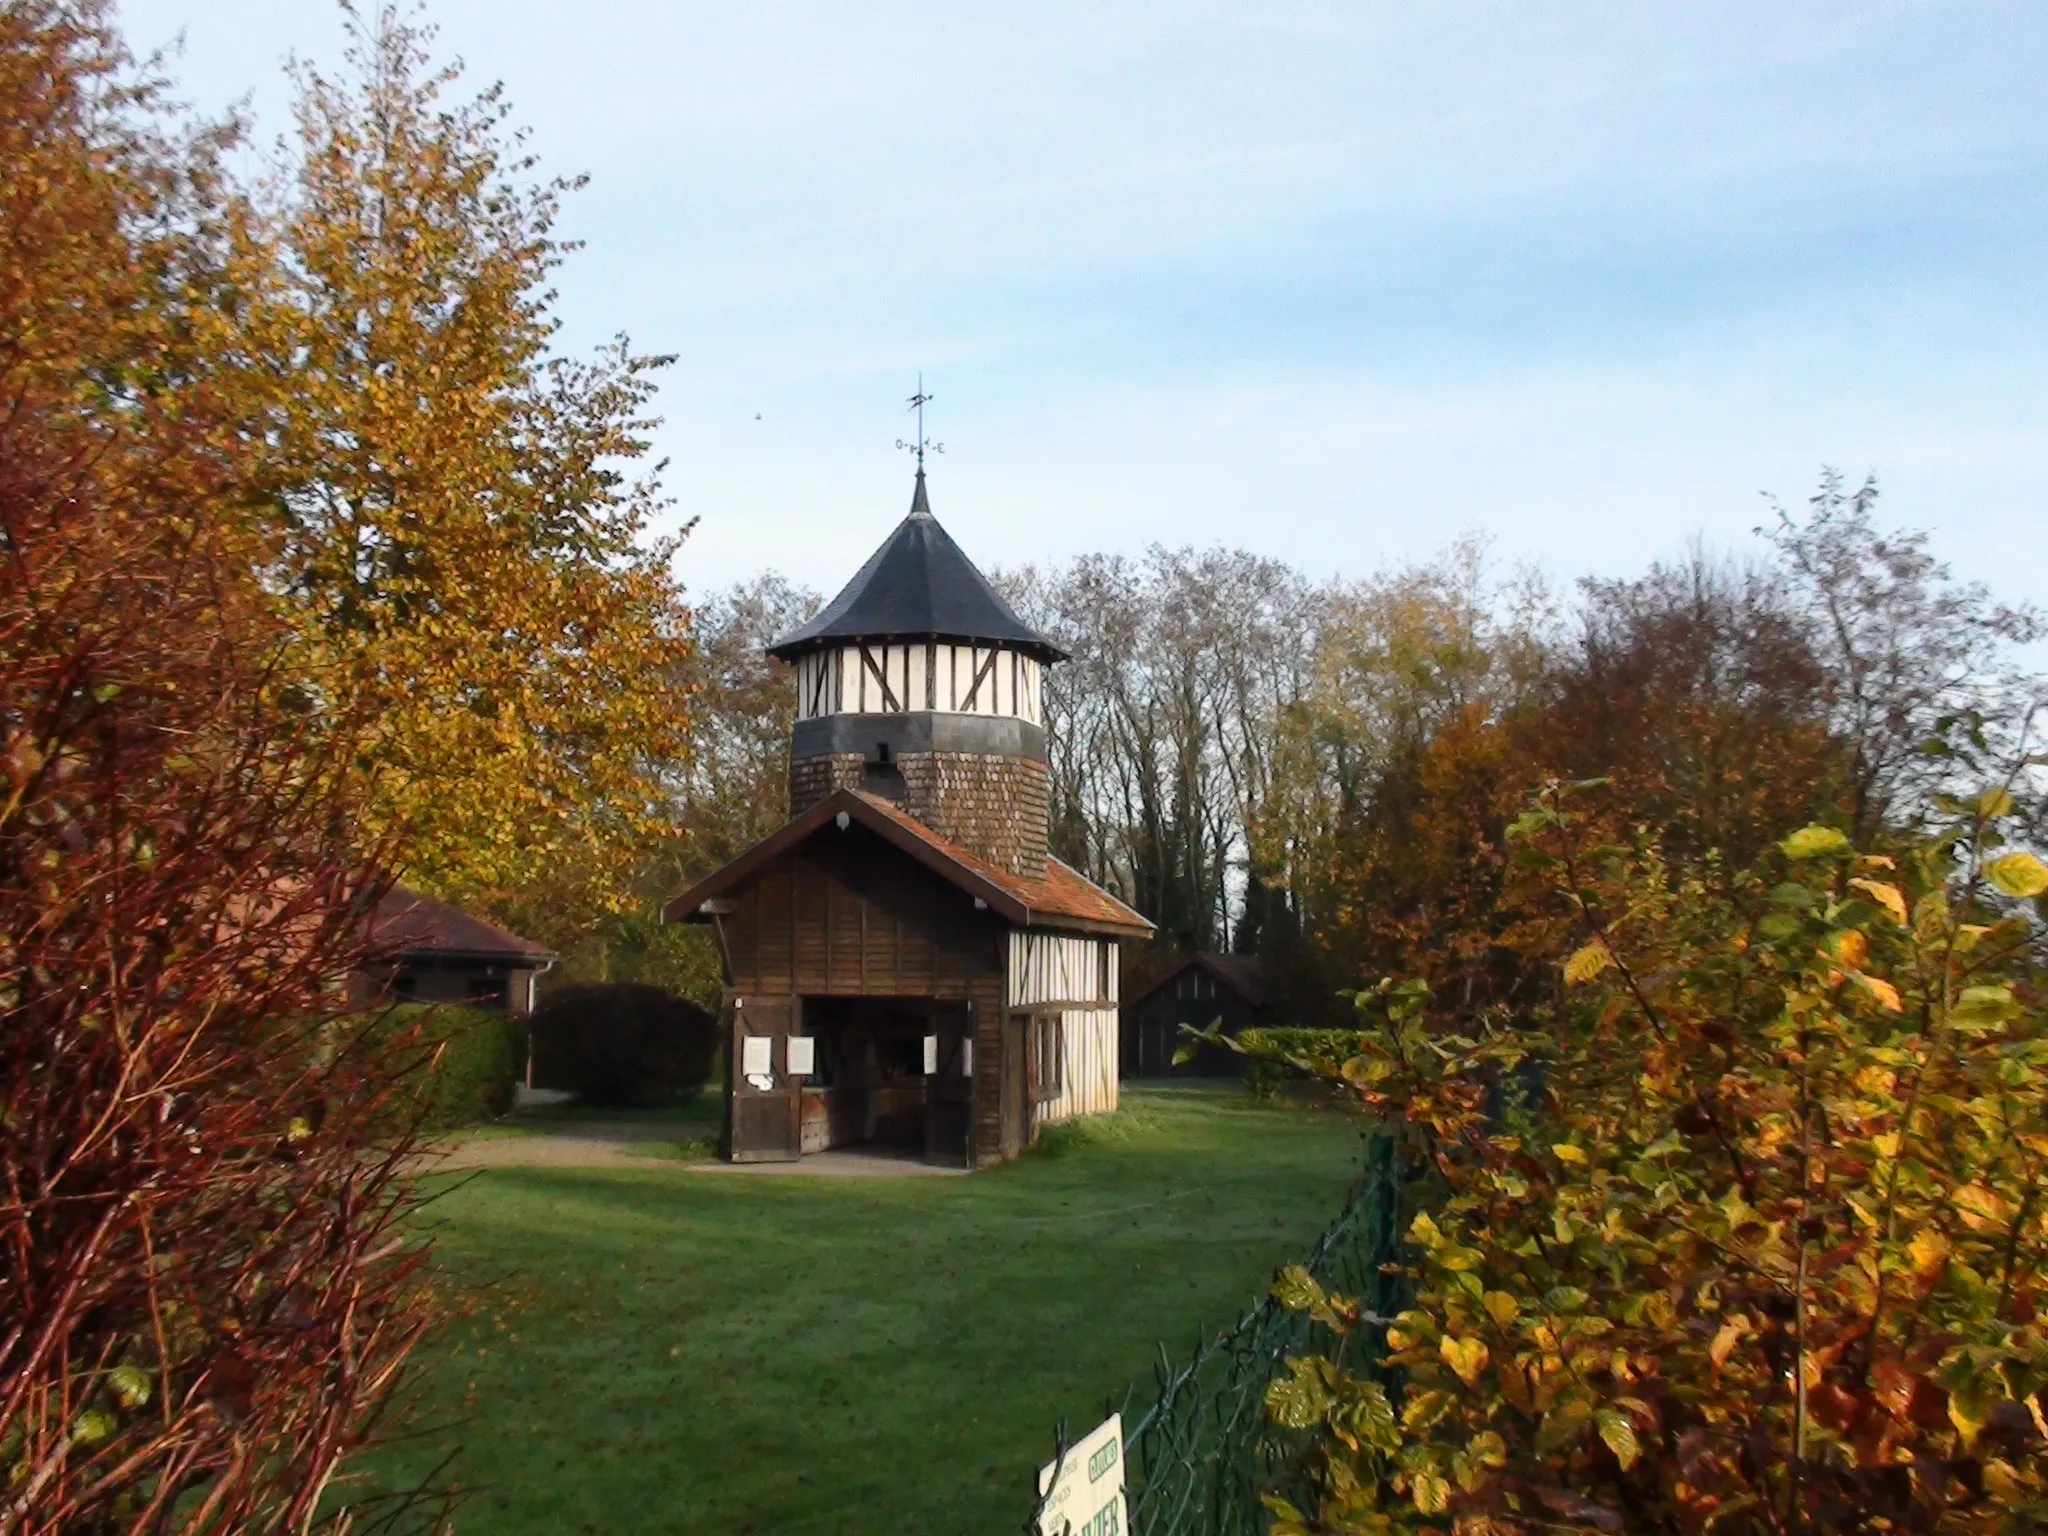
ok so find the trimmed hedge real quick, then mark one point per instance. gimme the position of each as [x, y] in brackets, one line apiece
[1265, 1077]
[465, 1062]
[622, 1044]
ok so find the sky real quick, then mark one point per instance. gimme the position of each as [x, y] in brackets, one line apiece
[1335, 283]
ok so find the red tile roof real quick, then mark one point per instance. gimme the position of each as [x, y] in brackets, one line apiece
[1063, 892]
[1063, 898]
[408, 923]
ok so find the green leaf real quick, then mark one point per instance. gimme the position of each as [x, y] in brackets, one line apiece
[2018, 874]
[93, 1426]
[1562, 1424]
[129, 1384]
[1619, 1433]
[1370, 1418]
[1182, 1055]
[1300, 1399]
[1814, 842]
[1289, 1518]
[1984, 1006]
[1296, 1289]
[1424, 1408]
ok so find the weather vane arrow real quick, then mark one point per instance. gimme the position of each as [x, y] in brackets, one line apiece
[920, 443]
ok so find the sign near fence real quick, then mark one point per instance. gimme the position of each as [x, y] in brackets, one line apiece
[1082, 1494]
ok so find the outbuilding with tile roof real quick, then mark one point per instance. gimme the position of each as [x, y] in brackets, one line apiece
[907, 964]
[423, 950]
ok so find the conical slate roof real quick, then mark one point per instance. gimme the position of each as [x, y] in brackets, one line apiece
[917, 586]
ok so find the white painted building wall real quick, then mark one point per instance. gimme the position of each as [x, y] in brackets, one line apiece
[920, 675]
[1079, 974]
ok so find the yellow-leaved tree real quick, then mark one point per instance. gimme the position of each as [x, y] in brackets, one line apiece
[457, 534]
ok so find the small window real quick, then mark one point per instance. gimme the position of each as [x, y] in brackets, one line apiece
[405, 986]
[881, 775]
[1048, 1044]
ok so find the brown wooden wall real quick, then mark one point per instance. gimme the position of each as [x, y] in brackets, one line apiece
[1152, 1033]
[848, 914]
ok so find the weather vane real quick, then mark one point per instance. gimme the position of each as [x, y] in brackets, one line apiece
[918, 445]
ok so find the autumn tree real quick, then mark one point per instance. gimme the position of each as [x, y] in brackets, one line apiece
[728, 790]
[1160, 723]
[732, 789]
[205, 1295]
[1903, 646]
[456, 539]
[1740, 1231]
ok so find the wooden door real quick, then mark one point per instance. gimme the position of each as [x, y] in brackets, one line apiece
[763, 1108]
[949, 1092]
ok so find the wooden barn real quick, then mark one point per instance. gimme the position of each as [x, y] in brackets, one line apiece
[1204, 989]
[907, 966]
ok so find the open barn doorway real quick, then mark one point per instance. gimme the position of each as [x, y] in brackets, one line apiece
[892, 1075]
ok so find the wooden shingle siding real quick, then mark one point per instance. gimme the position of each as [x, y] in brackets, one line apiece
[811, 779]
[1061, 968]
[994, 806]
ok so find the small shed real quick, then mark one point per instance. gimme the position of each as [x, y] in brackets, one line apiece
[1205, 988]
[426, 951]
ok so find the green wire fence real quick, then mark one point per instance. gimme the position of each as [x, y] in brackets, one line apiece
[1197, 1459]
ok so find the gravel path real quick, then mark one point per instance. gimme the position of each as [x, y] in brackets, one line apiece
[643, 1144]
[568, 1144]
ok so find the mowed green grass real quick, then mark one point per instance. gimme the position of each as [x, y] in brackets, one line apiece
[678, 1352]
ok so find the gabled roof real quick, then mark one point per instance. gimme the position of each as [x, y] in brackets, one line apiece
[408, 925]
[918, 585]
[1241, 974]
[1062, 899]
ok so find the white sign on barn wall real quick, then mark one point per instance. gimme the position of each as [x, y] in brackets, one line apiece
[1082, 1494]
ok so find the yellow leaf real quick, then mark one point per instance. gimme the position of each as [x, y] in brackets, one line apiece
[1887, 896]
[1886, 994]
[1565, 1152]
[1812, 842]
[1850, 947]
[1432, 1493]
[1725, 1342]
[1465, 1356]
[1928, 1250]
[1982, 1209]
[2018, 874]
[1886, 1143]
[1588, 961]
[1500, 1306]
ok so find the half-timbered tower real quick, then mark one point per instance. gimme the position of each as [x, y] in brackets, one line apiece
[907, 964]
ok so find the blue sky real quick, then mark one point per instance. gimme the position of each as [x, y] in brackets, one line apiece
[1331, 282]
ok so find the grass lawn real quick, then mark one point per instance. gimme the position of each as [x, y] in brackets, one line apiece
[664, 1351]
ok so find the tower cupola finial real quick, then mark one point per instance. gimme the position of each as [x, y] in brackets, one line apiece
[919, 444]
